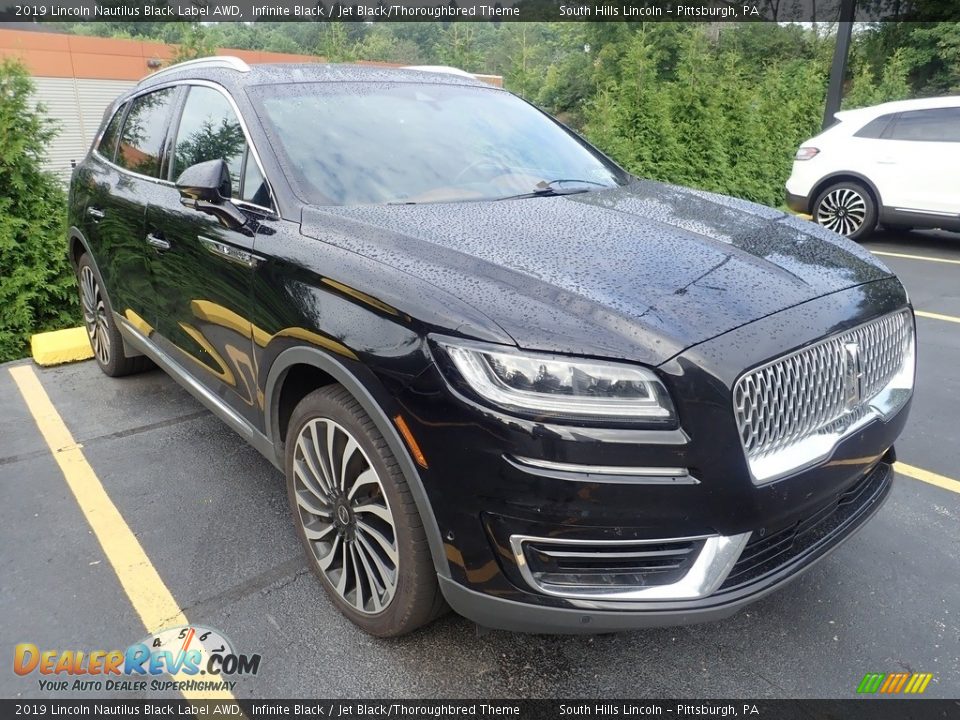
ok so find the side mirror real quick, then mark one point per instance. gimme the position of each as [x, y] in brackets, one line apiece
[208, 181]
[207, 187]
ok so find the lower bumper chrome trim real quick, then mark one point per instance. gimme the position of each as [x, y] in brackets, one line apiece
[715, 561]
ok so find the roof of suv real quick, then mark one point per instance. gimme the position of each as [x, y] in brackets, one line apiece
[900, 106]
[233, 72]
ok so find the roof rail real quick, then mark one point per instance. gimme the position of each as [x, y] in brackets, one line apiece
[228, 62]
[441, 69]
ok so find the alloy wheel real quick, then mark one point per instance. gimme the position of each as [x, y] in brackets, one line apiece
[95, 315]
[345, 515]
[843, 211]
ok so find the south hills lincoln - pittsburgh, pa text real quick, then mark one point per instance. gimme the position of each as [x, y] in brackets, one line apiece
[668, 11]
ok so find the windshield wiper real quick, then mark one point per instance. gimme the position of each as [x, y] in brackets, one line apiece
[555, 187]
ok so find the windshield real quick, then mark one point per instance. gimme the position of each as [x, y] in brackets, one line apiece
[378, 143]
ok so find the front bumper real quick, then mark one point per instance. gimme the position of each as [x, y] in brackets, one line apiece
[797, 203]
[485, 495]
[745, 585]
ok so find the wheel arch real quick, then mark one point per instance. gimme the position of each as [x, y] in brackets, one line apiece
[301, 362]
[77, 245]
[845, 176]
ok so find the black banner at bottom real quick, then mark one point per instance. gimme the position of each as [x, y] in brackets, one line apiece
[854, 709]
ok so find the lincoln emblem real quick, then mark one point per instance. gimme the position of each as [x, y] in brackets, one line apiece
[852, 377]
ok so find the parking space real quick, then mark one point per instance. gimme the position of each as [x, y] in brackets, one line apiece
[211, 516]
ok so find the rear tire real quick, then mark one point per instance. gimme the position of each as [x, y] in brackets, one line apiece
[356, 518]
[846, 208]
[102, 332]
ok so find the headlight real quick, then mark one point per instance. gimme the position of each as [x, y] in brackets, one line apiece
[558, 387]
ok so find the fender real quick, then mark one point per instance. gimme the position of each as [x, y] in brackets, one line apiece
[334, 368]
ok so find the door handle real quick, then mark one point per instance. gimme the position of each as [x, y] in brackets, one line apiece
[96, 213]
[886, 161]
[229, 252]
[157, 241]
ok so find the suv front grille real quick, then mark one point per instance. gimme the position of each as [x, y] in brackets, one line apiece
[820, 388]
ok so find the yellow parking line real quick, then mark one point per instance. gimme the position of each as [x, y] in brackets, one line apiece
[928, 258]
[147, 592]
[936, 316]
[941, 481]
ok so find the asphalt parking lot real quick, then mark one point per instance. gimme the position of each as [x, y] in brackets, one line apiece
[211, 516]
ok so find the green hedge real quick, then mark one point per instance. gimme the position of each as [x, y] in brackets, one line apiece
[37, 288]
[716, 122]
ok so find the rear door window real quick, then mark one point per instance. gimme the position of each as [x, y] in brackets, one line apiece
[874, 128]
[933, 125]
[144, 130]
[108, 141]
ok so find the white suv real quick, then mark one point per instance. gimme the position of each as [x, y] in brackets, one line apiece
[897, 164]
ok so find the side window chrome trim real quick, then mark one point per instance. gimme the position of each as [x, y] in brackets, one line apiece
[243, 125]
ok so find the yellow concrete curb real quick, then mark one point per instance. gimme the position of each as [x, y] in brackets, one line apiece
[61, 346]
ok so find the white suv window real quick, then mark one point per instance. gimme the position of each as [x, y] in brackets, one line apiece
[934, 125]
[874, 128]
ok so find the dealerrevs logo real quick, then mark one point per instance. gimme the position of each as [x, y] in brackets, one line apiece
[185, 653]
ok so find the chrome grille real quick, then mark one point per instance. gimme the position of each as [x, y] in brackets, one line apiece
[783, 402]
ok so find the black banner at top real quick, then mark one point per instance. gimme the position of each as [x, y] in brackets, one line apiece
[33, 11]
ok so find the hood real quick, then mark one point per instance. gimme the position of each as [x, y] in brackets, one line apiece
[640, 272]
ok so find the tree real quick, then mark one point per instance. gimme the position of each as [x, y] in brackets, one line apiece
[335, 44]
[893, 83]
[37, 289]
[459, 47]
[197, 43]
[521, 52]
[382, 43]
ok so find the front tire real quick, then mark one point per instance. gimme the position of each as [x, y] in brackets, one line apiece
[105, 339]
[356, 518]
[846, 208]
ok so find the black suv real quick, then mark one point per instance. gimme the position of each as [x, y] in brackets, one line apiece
[498, 371]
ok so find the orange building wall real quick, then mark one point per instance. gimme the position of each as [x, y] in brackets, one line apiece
[96, 58]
